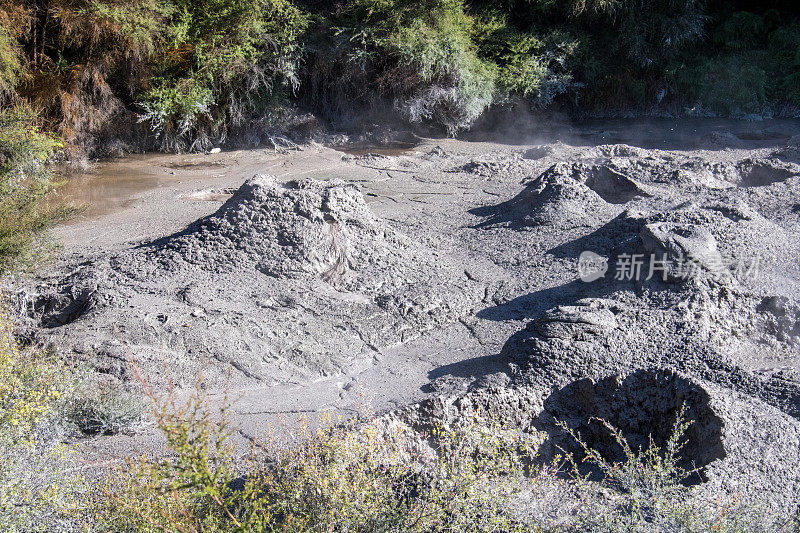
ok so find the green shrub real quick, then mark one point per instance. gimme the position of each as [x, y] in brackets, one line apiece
[24, 181]
[735, 85]
[647, 32]
[11, 69]
[347, 478]
[742, 31]
[224, 62]
[535, 68]
[419, 58]
[784, 60]
[103, 409]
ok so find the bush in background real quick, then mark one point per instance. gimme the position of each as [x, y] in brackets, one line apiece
[182, 75]
[24, 181]
[415, 59]
[224, 62]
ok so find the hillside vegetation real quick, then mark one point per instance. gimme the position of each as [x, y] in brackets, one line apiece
[180, 75]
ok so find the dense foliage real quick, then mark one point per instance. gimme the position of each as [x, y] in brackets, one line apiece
[24, 181]
[179, 74]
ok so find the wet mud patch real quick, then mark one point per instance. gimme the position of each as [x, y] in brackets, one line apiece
[391, 149]
[762, 135]
[213, 194]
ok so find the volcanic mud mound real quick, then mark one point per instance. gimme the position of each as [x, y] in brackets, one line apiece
[675, 243]
[283, 280]
[696, 173]
[705, 315]
[721, 236]
[713, 333]
[558, 198]
[300, 230]
[606, 180]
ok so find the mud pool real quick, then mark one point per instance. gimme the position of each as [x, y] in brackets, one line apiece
[430, 279]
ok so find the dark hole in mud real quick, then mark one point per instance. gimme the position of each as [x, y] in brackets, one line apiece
[60, 309]
[642, 406]
[796, 208]
[614, 187]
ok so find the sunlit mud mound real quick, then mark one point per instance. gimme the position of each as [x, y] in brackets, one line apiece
[489, 166]
[607, 180]
[728, 433]
[283, 280]
[723, 235]
[684, 171]
[664, 170]
[606, 151]
[303, 230]
[567, 195]
[696, 305]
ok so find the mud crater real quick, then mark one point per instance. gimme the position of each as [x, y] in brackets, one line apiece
[643, 406]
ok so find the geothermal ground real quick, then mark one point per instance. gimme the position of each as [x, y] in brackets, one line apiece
[617, 271]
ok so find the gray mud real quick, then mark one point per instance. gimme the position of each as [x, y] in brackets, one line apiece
[450, 274]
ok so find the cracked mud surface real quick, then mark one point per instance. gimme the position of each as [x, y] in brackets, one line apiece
[449, 274]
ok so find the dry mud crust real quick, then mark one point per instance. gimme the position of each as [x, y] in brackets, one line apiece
[735, 444]
[283, 280]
